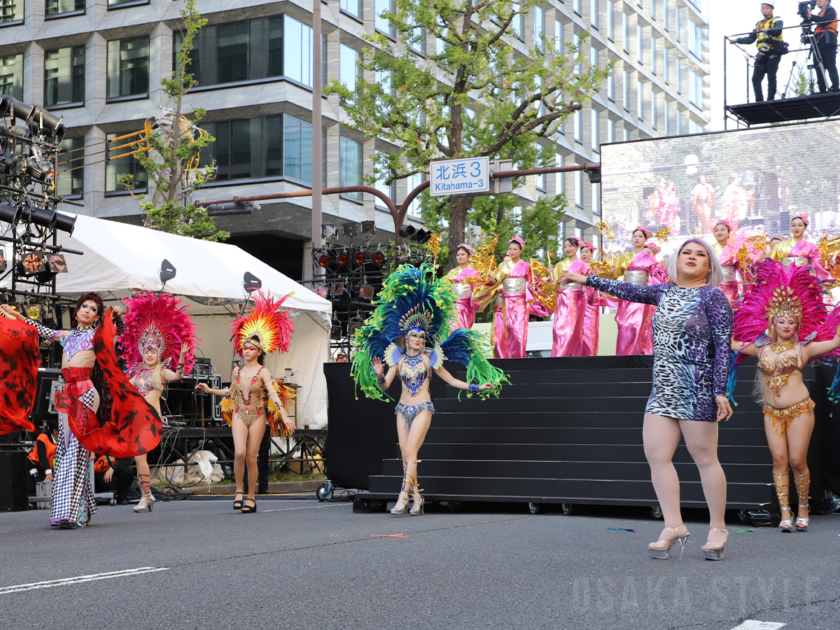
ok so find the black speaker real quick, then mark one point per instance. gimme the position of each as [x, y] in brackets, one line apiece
[13, 495]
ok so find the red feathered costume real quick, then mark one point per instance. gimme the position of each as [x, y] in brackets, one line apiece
[19, 360]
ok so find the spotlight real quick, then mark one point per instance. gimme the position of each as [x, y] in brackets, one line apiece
[337, 289]
[360, 258]
[2, 260]
[328, 230]
[65, 222]
[9, 213]
[335, 330]
[351, 229]
[8, 164]
[421, 236]
[31, 263]
[251, 283]
[354, 324]
[49, 124]
[379, 258]
[366, 291]
[324, 260]
[41, 172]
[406, 231]
[322, 291]
[40, 216]
[343, 259]
[167, 271]
[594, 175]
[369, 227]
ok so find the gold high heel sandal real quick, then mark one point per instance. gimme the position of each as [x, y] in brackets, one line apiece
[661, 549]
[714, 550]
[803, 487]
[786, 525]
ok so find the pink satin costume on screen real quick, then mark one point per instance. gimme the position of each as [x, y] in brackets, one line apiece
[793, 255]
[635, 321]
[514, 284]
[465, 307]
[569, 311]
[592, 320]
[728, 257]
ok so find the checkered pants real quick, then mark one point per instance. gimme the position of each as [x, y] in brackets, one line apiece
[72, 501]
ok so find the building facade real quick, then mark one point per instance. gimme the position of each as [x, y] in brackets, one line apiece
[99, 63]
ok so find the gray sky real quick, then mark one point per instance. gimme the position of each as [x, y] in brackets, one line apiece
[729, 18]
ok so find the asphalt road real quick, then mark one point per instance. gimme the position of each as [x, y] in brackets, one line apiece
[301, 564]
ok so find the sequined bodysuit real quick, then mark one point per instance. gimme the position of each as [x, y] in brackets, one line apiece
[249, 404]
[145, 382]
[413, 373]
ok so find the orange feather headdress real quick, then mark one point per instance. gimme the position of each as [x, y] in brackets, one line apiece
[271, 327]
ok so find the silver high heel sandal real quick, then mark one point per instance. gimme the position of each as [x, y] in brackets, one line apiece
[661, 549]
[419, 507]
[714, 550]
[397, 510]
[147, 499]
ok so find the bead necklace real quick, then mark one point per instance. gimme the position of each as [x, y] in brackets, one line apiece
[250, 389]
[413, 372]
[782, 346]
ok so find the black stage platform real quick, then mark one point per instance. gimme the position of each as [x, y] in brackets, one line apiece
[567, 431]
[788, 109]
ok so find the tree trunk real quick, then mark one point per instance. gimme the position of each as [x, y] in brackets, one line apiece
[458, 208]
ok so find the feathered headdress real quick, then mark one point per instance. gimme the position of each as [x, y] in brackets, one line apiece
[588, 245]
[272, 327]
[653, 247]
[466, 248]
[724, 222]
[643, 230]
[414, 299]
[519, 240]
[159, 322]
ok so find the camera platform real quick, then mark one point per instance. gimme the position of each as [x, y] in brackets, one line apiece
[787, 110]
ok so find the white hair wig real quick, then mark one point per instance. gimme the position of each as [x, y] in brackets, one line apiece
[715, 275]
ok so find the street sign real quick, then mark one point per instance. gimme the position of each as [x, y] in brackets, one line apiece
[463, 177]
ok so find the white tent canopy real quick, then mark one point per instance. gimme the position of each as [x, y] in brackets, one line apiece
[119, 258]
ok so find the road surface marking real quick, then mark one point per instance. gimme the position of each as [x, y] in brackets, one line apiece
[752, 624]
[306, 507]
[20, 588]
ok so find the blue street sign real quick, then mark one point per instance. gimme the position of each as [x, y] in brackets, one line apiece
[468, 176]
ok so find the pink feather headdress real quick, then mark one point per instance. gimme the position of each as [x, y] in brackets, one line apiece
[517, 239]
[803, 216]
[725, 222]
[272, 327]
[653, 247]
[160, 322]
[466, 247]
[588, 245]
[644, 231]
[773, 293]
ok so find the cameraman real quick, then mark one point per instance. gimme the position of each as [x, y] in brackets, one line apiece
[826, 36]
[771, 47]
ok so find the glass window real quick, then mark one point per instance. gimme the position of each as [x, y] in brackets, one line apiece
[640, 99]
[539, 180]
[677, 24]
[653, 110]
[693, 127]
[128, 67]
[577, 6]
[353, 7]
[71, 171]
[695, 39]
[678, 119]
[116, 3]
[666, 114]
[559, 178]
[256, 49]
[595, 122]
[383, 25]
[539, 29]
[412, 182]
[558, 37]
[666, 65]
[695, 89]
[625, 32]
[348, 68]
[516, 25]
[418, 45]
[579, 189]
[11, 76]
[610, 130]
[578, 123]
[640, 44]
[679, 76]
[596, 199]
[626, 132]
[653, 9]
[611, 86]
[625, 90]
[297, 149]
[576, 44]
[593, 13]
[120, 161]
[350, 166]
[390, 191]
[57, 7]
[653, 55]
[11, 11]
[64, 76]
[611, 20]
[666, 21]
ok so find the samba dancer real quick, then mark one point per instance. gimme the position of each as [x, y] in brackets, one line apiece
[465, 307]
[634, 320]
[514, 280]
[254, 399]
[594, 302]
[159, 335]
[415, 309]
[797, 252]
[692, 331]
[570, 303]
[728, 257]
[784, 323]
[99, 410]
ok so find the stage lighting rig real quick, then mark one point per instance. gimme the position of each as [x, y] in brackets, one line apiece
[368, 228]
[328, 230]
[351, 229]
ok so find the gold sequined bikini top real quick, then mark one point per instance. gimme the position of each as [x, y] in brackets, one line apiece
[776, 375]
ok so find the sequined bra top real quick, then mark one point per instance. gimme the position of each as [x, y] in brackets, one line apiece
[777, 375]
[79, 340]
[248, 404]
[145, 382]
[414, 372]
